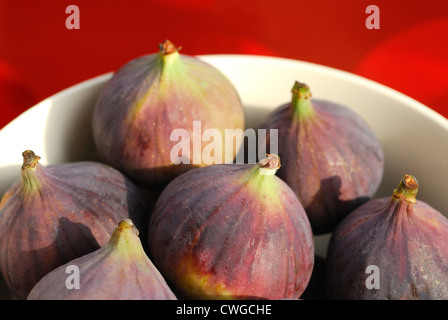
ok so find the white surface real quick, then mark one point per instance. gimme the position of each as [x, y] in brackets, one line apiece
[414, 138]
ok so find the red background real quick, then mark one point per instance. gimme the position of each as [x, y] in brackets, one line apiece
[39, 56]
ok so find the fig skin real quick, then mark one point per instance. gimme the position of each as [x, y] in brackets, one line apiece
[331, 157]
[232, 231]
[56, 213]
[405, 238]
[152, 95]
[120, 270]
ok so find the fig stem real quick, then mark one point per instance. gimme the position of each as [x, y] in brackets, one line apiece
[261, 177]
[168, 55]
[30, 159]
[269, 165]
[301, 101]
[30, 181]
[125, 239]
[407, 189]
[127, 224]
[167, 47]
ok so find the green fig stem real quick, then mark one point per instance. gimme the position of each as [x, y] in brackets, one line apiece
[30, 159]
[262, 180]
[301, 101]
[407, 189]
[169, 53]
[125, 239]
[269, 165]
[127, 224]
[167, 47]
[30, 181]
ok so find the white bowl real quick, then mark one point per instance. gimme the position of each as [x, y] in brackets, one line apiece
[414, 137]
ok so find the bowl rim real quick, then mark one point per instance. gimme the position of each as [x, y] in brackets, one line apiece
[213, 58]
[375, 85]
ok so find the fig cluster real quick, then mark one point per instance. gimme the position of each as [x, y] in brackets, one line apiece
[159, 217]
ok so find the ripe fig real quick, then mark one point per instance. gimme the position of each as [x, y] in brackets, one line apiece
[232, 231]
[56, 213]
[332, 159]
[390, 248]
[120, 270]
[147, 99]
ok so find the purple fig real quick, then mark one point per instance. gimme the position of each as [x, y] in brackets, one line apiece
[332, 159]
[147, 99]
[120, 270]
[56, 213]
[232, 231]
[390, 248]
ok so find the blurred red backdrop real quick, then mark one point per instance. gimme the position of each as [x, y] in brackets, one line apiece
[39, 56]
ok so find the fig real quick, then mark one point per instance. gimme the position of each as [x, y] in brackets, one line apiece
[390, 248]
[149, 118]
[53, 214]
[119, 270]
[232, 231]
[331, 158]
